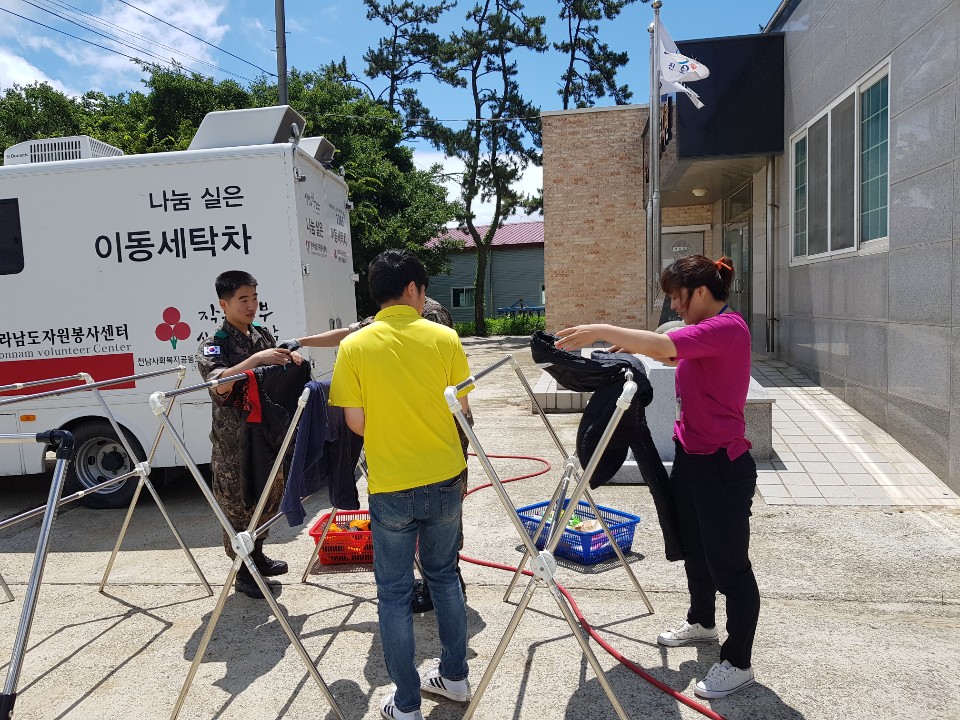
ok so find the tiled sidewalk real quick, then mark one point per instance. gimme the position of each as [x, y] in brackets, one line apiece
[826, 453]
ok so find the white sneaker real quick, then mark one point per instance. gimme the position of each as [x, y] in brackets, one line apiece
[687, 633]
[432, 682]
[388, 710]
[722, 680]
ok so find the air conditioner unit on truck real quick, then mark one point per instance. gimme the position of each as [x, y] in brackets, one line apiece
[107, 267]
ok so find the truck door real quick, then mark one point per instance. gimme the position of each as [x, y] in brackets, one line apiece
[11, 457]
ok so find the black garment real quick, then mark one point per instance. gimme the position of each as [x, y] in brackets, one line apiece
[578, 373]
[603, 374]
[712, 496]
[601, 407]
[269, 402]
[325, 456]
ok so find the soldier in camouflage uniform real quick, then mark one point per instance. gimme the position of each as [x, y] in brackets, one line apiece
[239, 345]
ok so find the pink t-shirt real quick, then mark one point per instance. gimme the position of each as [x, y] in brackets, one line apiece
[712, 379]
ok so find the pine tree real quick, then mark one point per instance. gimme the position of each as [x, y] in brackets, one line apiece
[503, 136]
[592, 66]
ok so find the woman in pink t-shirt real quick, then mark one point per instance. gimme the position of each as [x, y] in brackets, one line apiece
[714, 476]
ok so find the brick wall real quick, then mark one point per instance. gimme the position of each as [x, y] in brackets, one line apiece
[594, 218]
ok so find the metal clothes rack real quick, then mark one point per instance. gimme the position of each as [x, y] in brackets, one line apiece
[63, 442]
[243, 542]
[542, 562]
[572, 472]
[141, 468]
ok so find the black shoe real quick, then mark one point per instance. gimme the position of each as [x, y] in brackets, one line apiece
[247, 585]
[421, 597]
[267, 566]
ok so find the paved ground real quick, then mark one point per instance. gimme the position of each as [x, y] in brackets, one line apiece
[860, 618]
[829, 454]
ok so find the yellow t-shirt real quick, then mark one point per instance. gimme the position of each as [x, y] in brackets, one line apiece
[396, 369]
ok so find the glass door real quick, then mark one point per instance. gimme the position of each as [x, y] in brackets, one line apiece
[736, 245]
[673, 246]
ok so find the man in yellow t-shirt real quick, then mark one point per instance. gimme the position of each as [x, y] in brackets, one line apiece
[389, 377]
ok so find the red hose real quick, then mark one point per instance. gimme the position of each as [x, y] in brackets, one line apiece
[616, 655]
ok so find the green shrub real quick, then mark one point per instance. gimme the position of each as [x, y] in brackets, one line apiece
[507, 325]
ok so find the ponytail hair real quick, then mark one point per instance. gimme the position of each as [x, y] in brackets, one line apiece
[692, 271]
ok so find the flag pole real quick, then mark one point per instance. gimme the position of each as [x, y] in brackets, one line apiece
[653, 204]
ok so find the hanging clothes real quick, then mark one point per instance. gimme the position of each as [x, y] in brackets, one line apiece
[268, 401]
[325, 456]
[603, 375]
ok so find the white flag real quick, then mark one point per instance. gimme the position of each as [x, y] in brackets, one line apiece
[676, 68]
[675, 87]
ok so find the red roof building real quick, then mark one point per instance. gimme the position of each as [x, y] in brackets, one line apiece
[514, 271]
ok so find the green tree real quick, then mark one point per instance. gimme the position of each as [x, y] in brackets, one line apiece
[592, 66]
[178, 101]
[503, 138]
[37, 111]
[410, 52]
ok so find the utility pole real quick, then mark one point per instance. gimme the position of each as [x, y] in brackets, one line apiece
[282, 54]
[653, 203]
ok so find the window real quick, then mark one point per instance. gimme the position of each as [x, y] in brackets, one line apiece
[462, 297]
[11, 241]
[839, 176]
[874, 130]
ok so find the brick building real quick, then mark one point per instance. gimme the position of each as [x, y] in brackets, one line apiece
[826, 163]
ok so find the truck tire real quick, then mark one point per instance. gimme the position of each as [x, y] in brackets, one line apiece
[98, 456]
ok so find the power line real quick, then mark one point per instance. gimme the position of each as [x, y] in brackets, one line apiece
[66, 7]
[89, 42]
[117, 40]
[267, 72]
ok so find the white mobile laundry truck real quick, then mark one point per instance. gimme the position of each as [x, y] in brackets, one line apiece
[107, 267]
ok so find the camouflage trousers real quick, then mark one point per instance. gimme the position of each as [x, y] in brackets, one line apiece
[228, 491]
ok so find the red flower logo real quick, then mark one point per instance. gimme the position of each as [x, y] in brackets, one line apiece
[171, 328]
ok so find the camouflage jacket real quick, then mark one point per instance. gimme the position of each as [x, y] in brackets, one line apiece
[432, 310]
[224, 349]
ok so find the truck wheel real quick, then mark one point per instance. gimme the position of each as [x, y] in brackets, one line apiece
[99, 456]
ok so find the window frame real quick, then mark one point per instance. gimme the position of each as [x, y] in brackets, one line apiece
[860, 247]
[453, 295]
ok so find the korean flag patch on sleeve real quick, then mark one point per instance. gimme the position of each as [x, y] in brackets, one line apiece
[211, 350]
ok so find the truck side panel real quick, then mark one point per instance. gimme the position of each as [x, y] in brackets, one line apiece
[325, 255]
[120, 255]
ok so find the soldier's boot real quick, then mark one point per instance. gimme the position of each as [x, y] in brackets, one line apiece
[246, 584]
[267, 566]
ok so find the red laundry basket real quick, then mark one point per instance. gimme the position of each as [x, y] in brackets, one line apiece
[346, 547]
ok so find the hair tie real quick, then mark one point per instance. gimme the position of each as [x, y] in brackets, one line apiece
[722, 264]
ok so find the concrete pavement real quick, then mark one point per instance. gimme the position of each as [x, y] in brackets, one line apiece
[860, 614]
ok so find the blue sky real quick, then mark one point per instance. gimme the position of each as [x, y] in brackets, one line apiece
[318, 32]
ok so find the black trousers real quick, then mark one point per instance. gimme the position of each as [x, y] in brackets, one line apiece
[712, 496]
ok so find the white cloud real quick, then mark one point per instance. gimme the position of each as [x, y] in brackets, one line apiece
[15, 70]
[530, 182]
[94, 68]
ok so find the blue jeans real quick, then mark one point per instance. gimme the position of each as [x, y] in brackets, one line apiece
[430, 514]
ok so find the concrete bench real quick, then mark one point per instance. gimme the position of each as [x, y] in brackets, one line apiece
[554, 398]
